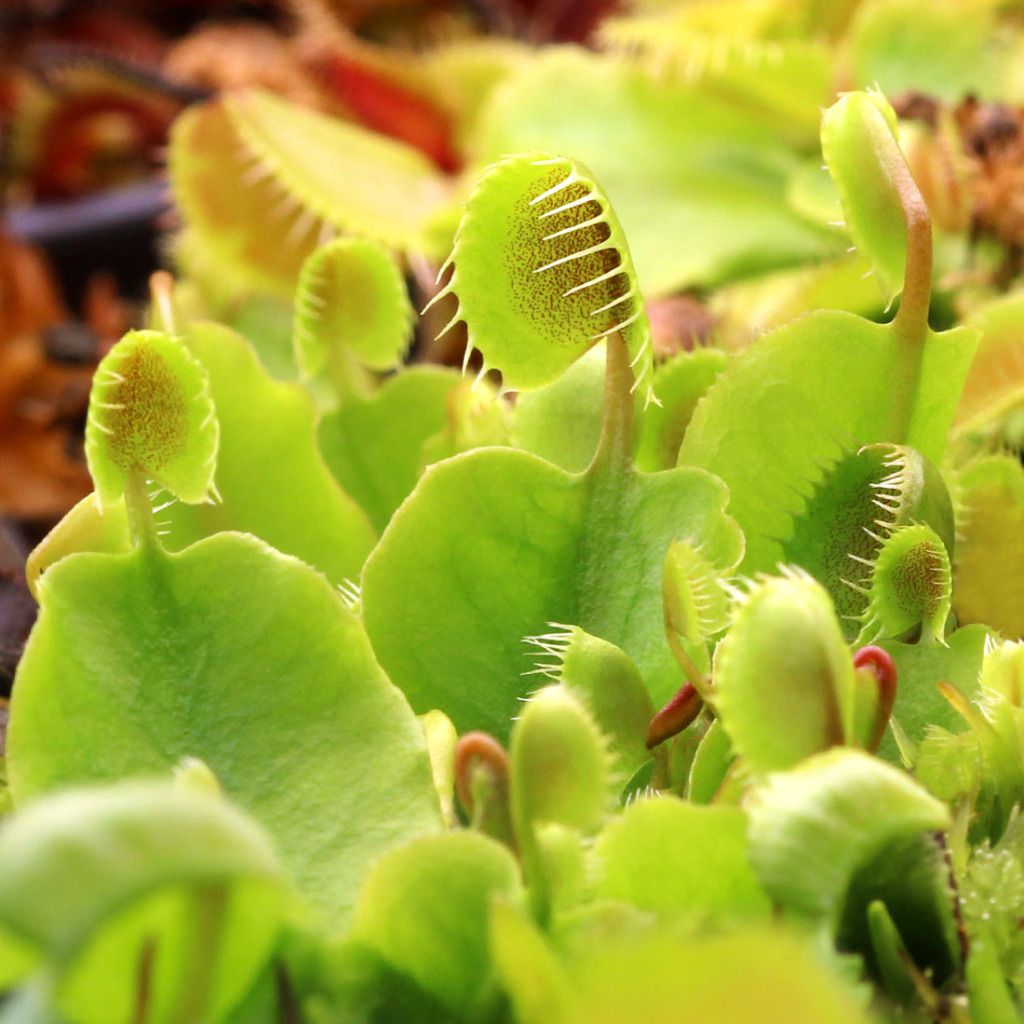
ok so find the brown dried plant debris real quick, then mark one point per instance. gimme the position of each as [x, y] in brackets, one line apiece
[993, 138]
[979, 147]
[46, 366]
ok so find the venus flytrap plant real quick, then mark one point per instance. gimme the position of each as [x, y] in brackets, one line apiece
[179, 872]
[852, 511]
[749, 49]
[585, 275]
[266, 456]
[818, 380]
[737, 168]
[874, 685]
[843, 829]
[559, 776]
[352, 324]
[680, 383]
[546, 545]
[784, 661]
[696, 608]
[420, 871]
[151, 417]
[482, 785]
[250, 152]
[223, 623]
[352, 315]
[985, 765]
[608, 684]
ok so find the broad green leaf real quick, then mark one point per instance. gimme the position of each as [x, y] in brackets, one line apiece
[206, 290]
[673, 858]
[747, 309]
[424, 910]
[804, 393]
[151, 416]
[561, 422]
[83, 528]
[919, 670]
[271, 479]
[351, 304]
[494, 544]
[476, 416]
[783, 677]
[678, 162]
[737, 48]
[233, 653]
[79, 866]
[372, 446]
[266, 323]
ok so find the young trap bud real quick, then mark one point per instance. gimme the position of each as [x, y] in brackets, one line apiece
[783, 675]
[696, 607]
[560, 764]
[151, 417]
[874, 681]
[560, 775]
[859, 502]
[680, 712]
[604, 678]
[482, 785]
[352, 312]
